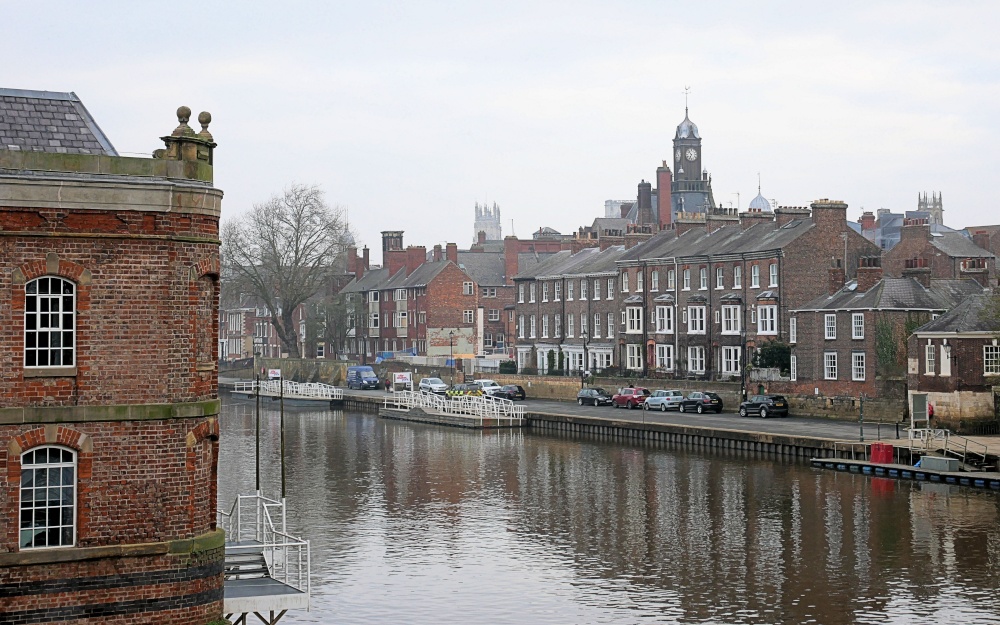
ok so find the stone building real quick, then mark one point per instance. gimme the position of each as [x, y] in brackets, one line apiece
[109, 404]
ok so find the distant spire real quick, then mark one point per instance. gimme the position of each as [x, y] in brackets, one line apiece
[687, 90]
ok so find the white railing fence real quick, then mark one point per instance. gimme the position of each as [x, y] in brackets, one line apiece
[479, 407]
[292, 390]
[259, 521]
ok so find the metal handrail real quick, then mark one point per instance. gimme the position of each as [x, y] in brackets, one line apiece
[949, 443]
[273, 388]
[276, 544]
[481, 407]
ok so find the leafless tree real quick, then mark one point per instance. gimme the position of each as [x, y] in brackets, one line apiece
[283, 252]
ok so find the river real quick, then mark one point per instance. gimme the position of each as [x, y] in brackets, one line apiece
[419, 524]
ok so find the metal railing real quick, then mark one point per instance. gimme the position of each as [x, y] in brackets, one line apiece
[478, 407]
[968, 451]
[251, 521]
[292, 390]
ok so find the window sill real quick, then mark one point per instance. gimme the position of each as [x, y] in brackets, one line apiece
[50, 372]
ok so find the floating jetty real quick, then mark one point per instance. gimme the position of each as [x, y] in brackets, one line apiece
[295, 393]
[481, 412]
[988, 480]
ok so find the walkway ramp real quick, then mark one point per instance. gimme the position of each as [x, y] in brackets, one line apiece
[291, 391]
[462, 411]
[266, 569]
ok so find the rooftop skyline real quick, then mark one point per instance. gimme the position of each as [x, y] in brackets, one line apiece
[409, 115]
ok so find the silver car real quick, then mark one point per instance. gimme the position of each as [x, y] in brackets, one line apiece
[432, 385]
[663, 401]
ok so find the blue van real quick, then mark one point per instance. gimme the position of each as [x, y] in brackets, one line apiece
[361, 377]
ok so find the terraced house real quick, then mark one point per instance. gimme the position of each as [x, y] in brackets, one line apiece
[566, 306]
[697, 300]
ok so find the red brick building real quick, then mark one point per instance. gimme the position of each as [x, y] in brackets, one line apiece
[941, 255]
[108, 392]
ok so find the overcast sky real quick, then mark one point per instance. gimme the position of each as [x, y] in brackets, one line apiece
[407, 114]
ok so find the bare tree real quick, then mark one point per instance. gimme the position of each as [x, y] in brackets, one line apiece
[283, 252]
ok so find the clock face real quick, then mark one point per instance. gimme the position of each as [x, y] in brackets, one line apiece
[691, 154]
[677, 155]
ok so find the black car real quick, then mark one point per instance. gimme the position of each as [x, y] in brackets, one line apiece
[509, 391]
[765, 406]
[701, 401]
[594, 396]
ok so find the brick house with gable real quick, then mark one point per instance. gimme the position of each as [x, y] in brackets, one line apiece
[941, 254]
[852, 342]
[955, 360]
[109, 277]
[697, 300]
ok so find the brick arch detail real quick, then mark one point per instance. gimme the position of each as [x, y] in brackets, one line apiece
[206, 432]
[208, 266]
[80, 442]
[52, 266]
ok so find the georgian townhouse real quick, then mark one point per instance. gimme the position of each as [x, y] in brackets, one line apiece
[694, 302]
[852, 342]
[955, 360]
[563, 307]
[947, 254]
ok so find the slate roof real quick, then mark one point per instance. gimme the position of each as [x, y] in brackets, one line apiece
[727, 240]
[966, 317]
[486, 268]
[957, 245]
[48, 121]
[898, 294]
[586, 262]
[369, 281]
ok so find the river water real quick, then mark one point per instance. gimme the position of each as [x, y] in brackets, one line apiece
[412, 523]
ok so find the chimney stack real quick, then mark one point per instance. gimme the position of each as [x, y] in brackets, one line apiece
[869, 272]
[664, 201]
[395, 261]
[451, 252]
[836, 276]
[415, 256]
[918, 269]
[438, 253]
[785, 214]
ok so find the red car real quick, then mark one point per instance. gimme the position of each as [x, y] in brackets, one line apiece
[630, 397]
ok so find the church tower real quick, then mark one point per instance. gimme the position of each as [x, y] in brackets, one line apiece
[691, 188]
[931, 204]
[488, 221]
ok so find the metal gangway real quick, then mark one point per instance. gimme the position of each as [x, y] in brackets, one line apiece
[267, 569]
[291, 390]
[972, 454]
[501, 410]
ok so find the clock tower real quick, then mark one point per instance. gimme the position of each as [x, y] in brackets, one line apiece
[691, 189]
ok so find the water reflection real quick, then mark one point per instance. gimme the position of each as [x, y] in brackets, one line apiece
[422, 524]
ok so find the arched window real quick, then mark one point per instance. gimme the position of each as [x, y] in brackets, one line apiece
[48, 498]
[49, 322]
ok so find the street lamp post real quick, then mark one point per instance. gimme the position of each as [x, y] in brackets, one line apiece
[583, 369]
[451, 353]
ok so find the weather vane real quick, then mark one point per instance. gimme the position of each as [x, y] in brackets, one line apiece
[687, 90]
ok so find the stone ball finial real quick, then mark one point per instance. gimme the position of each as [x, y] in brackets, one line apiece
[183, 114]
[205, 118]
[182, 129]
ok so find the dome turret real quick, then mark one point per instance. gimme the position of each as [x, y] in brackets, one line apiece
[760, 203]
[687, 128]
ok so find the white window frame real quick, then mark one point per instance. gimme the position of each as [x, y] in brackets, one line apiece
[793, 329]
[830, 327]
[570, 290]
[829, 365]
[731, 319]
[570, 326]
[493, 315]
[545, 326]
[611, 325]
[696, 319]
[633, 315]
[557, 291]
[531, 293]
[793, 368]
[35, 529]
[49, 322]
[640, 281]
[703, 279]
[654, 280]
[468, 288]
[754, 276]
[857, 326]
[665, 356]
[737, 277]
[930, 359]
[991, 359]
[767, 319]
[731, 359]
[520, 326]
[772, 274]
[597, 325]
[373, 320]
[686, 280]
[531, 327]
[696, 359]
[558, 325]
[720, 278]
[583, 326]
[664, 319]
[520, 293]
[597, 289]
[858, 366]
[633, 357]
[611, 289]
[625, 281]
[583, 289]
[545, 291]
[671, 279]
[468, 316]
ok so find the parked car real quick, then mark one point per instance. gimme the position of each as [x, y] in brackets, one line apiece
[509, 391]
[663, 401]
[432, 385]
[487, 386]
[594, 396]
[701, 401]
[630, 397]
[765, 406]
